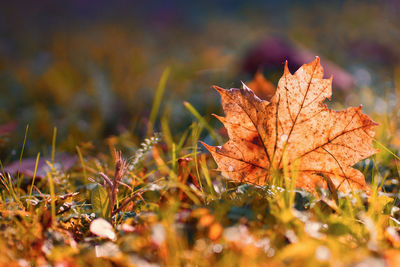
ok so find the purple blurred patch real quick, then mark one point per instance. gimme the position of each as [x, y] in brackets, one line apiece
[63, 161]
[374, 52]
[8, 128]
[271, 54]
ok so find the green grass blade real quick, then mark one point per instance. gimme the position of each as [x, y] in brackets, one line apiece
[52, 195]
[157, 100]
[33, 180]
[82, 162]
[20, 157]
[202, 121]
[53, 145]
[386, 149]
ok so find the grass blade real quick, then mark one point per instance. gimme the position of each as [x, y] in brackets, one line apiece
[33, 180]
[157, 100]
[202, 121]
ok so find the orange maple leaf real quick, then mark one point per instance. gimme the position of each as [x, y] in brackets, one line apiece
[295, 130]
[263, 88]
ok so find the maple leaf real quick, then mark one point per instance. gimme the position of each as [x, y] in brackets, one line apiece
[263, 88]
[295, 130]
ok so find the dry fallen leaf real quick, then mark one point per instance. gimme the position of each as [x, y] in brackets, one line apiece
[263, 88]
[296, 131]
[26, 166]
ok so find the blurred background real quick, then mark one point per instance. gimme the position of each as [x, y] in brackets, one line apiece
[91, 67]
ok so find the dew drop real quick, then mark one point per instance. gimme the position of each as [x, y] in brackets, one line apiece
[217, 248]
